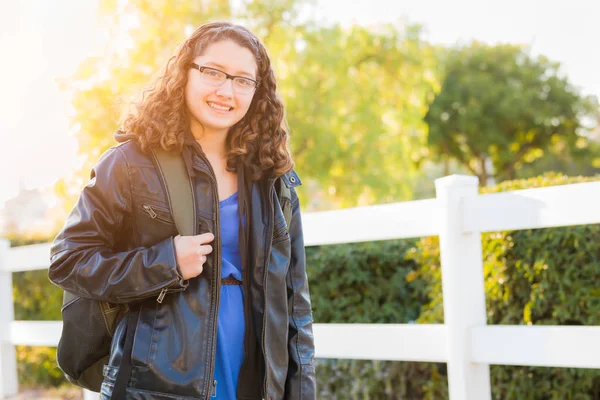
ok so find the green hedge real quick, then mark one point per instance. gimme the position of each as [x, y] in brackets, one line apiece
[36, 298]
[368, 283]
[532, 277]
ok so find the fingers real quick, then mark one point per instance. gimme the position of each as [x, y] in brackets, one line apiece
[204, 238]
[205, 249]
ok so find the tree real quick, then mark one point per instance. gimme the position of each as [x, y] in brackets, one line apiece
[355, 98]
[140, 37]
[501, 104]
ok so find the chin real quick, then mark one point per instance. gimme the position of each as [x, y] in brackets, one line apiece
[216, 124]
[219, 126]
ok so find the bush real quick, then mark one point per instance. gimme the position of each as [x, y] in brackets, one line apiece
[36, 298]
[532, 277]
[367, 283]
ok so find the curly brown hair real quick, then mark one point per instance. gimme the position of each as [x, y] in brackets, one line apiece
[259, 140]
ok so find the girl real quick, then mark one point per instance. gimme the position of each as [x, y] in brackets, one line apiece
[225, 313]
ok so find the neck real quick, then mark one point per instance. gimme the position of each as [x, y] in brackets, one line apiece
[211, 141]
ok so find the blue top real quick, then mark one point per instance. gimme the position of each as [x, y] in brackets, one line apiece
[230, 331]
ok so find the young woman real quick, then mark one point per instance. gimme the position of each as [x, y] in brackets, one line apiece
[225, 313]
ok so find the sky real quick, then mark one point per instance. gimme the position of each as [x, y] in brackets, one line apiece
[43, 41]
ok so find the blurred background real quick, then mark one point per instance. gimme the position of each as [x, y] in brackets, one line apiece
[382, 98]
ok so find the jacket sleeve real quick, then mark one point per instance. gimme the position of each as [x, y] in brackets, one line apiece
[82, 257]
[301, 382]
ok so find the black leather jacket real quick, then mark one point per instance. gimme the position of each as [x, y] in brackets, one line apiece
[117, 246]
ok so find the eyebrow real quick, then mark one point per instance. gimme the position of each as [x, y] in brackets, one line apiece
[240, 73]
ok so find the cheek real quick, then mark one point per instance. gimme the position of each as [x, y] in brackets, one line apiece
[245, 104]
[188, 99]
[191, 96]
[195, 94]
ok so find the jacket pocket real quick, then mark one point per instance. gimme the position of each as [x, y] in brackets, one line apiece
[280, 234]
[158, 213]
[144, 335]
[280, 228]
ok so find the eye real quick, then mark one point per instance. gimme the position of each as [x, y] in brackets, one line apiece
[211, 73]
[244, 82]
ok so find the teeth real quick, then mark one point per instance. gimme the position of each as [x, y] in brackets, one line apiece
[218, 107]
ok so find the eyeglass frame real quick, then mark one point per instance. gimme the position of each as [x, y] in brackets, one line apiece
[201, 68]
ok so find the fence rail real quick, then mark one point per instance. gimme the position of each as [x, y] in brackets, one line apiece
[458, 216]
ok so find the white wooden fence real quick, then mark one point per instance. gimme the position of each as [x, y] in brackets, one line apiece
[458, 215]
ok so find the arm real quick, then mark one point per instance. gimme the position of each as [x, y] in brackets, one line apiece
[300, 383]
[83, 260]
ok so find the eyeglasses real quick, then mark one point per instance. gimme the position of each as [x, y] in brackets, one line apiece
[216, 77]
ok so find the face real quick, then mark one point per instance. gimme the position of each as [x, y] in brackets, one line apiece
[218, 108]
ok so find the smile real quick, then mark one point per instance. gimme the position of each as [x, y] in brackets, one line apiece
[219, 107]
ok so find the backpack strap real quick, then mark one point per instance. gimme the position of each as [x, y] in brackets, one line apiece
[181, 200]
[179, 189]
[120, 388]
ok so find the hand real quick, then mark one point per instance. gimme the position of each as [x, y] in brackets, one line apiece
[190, 252]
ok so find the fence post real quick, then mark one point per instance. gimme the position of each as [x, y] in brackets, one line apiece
[463, 288]
[89, 395]
[8, 356]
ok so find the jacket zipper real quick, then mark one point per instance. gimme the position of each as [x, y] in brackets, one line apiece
[154, 215]
[160, 292]
[214, 389]
[217, 258]
[267, 261]
[244, 253]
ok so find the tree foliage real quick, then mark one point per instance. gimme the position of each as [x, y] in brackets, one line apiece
[355, 97]
[501, 103]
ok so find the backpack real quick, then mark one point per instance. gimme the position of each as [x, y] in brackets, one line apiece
[91, 324]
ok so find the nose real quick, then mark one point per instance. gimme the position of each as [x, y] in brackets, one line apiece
[226, 89]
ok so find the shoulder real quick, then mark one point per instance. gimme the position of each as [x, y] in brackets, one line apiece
[287, 189]
[122, 156]
[132, 151]
[291, 179]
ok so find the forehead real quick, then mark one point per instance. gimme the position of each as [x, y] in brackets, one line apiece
[230, 57]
